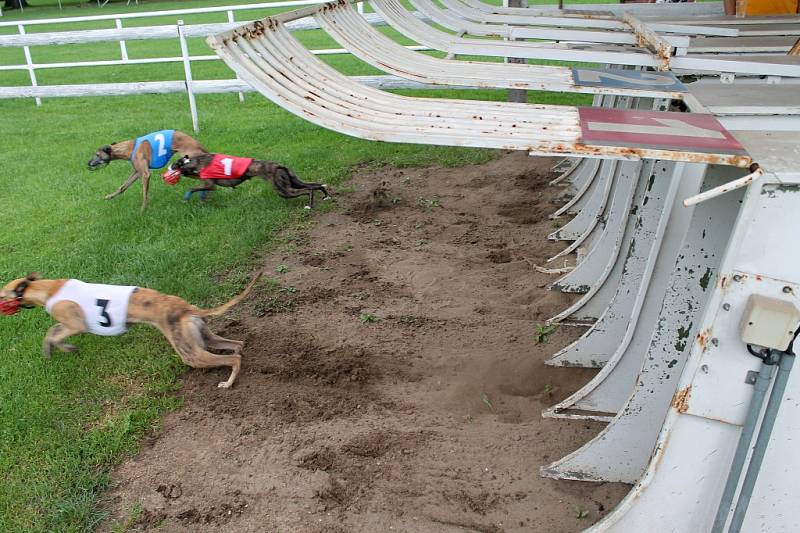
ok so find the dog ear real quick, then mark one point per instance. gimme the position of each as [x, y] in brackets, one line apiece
[106, 149]
[33, 276]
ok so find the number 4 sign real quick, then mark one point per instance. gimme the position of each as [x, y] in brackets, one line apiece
[656, 130]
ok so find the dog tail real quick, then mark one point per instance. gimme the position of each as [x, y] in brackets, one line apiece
[230, 303]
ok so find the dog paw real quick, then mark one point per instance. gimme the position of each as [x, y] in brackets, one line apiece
[109, 197]
[69, 348]
[47, 350]
[326, 198]
[224, 385]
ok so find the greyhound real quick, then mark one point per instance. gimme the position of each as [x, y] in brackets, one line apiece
[229, 171]
[149, 152]
[108, 309]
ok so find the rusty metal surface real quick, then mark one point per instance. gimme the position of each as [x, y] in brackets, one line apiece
[349, 29]
[650, 39]
[268, 57]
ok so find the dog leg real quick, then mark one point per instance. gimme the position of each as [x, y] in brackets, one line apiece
[187, 339]
[70, 322]
[213, 341]
[287, 193]
[124, 187]
[203, 359]
[141, 164]
[56, 336]
[202, 190]
[297, 183]
[145, 188]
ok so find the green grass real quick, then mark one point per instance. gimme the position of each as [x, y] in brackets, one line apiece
[65, 422]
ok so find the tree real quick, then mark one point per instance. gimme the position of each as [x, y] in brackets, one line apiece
[15, 4]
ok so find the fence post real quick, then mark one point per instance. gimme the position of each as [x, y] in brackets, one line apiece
[187, 69]
[360, 7]
[29, 62]
[232, 19]
[122, 47]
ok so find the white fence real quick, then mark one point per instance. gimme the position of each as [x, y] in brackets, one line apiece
[178, 31]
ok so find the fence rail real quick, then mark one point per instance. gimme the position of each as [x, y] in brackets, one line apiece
[166, 13]
[178, 31]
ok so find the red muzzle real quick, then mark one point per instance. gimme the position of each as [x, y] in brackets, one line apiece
[171, 177]
[9, 307]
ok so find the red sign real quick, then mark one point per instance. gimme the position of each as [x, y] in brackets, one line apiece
[656, 130]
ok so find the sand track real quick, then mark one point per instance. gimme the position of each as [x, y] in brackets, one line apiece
[425, 419]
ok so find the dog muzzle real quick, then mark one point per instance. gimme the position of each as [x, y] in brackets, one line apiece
[171, 176]
[10, 307]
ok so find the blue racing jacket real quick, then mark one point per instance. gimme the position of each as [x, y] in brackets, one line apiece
[160, 145]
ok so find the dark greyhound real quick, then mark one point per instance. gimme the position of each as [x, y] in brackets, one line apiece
[229, 171]
[149, 152]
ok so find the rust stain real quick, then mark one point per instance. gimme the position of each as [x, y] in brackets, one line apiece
[681, 399]
[702, 338]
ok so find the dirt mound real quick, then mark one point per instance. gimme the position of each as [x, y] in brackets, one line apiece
[390, 380]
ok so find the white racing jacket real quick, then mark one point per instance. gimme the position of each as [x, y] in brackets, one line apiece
[105, 307]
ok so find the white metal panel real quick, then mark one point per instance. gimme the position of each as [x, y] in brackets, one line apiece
[610, 334]
[631, 318]
[583, 238]
[695, 446]
[617, 228]
[622, 450]
[583, 182]
[597, 256]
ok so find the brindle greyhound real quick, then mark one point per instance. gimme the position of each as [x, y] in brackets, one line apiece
[211, 169]
[181, 323]
[142, 160]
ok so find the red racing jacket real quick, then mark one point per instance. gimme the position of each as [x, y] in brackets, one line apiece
[226, 167]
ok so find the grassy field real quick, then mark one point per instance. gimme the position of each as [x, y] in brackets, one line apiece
[65, 422]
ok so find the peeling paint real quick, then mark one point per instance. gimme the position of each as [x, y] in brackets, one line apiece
[705, 279]
[683, 335]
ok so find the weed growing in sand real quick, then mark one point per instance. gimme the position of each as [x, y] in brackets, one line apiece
[367, 318]
[273, 305]
[429, 203]
[556, 224]
[543, 332]
[548, 389]
[581, 513]
[282, 269]
[485, 400]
